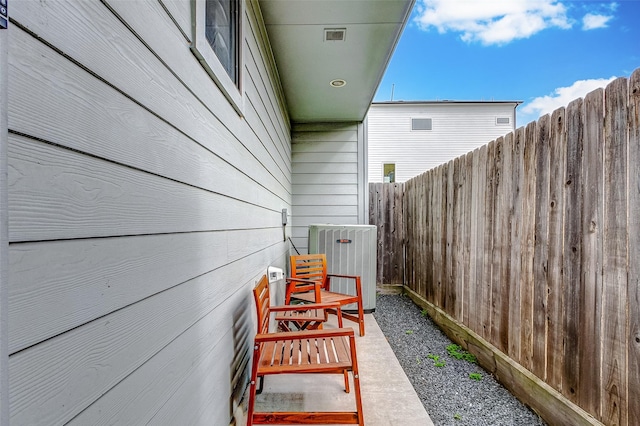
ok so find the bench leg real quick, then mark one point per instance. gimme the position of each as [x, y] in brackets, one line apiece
[252, 385]
[356, 381]
[361, 318]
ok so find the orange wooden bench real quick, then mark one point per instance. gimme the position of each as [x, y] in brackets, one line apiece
[301, 352]
[309, 268]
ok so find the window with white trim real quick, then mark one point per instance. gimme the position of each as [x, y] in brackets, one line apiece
[217, 35]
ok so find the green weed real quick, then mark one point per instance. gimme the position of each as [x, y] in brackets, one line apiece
[475, 376]
[456, 352]
[457, 416]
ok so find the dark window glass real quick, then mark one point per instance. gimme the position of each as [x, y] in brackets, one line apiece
[221, 30]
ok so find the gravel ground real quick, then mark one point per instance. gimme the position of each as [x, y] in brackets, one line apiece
[447, 392]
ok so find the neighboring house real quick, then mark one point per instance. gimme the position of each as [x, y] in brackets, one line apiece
[408, 138]
[151, 148]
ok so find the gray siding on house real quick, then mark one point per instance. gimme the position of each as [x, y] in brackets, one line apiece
[456, 128]
[142, 208]
[329, 177]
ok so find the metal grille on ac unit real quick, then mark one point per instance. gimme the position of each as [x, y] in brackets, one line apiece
[350, 250]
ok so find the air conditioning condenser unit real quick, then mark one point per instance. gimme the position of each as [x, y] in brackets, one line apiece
[350, 250]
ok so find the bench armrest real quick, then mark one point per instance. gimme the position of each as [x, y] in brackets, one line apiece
[356, 278]
[304, 334]
[299, 285]
[305, 307]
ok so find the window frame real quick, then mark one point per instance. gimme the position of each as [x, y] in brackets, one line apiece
[394, 171]
[208, 58]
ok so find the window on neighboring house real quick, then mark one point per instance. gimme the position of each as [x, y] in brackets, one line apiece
[503, 120]
[217, 35]
[221, 30]
[388, 172]
[420, 124]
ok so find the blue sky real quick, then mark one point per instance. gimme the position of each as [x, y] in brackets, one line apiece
[544, 53]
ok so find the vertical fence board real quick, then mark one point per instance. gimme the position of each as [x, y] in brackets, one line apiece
[423, 246]
[590, 350]
[467, 235]
[489, 197]
[456, 240]
[429, 238]
[496, 249]
[458, 237]
[424, 282]
[435, 212]
[409, 223]
[499, 278]
[528, 245]
[555, 294]
[385, 230]
[572, 261]
[634, 246]
[515, 235]
[614, 335]
[541, 249]
[447, 281]
[398, 236]
[421, 208]
[442, 242]
[506, 197]
[477, 214]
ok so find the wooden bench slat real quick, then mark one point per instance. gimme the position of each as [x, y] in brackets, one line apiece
[309, 418]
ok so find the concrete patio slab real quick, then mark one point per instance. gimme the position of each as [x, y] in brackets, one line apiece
[388, 398]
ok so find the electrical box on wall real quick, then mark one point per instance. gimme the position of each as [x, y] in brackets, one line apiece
[350, 250]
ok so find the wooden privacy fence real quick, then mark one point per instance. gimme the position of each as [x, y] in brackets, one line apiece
[385, 211]
[533, 243]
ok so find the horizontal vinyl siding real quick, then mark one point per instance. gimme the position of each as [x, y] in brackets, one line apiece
[142, 209]
[327, 177]
[456, 129]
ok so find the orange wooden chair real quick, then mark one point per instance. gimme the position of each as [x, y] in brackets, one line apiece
[301, 352]
[310, 268]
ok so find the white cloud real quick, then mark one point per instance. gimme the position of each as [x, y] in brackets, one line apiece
[502, 21]
[591, 21]
[562, 96]
[492, 21]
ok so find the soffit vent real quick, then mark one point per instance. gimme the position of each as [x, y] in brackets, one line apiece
[334, 34]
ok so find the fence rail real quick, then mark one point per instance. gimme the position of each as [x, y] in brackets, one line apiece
[533, 242]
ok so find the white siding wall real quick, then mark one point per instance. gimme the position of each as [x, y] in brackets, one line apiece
[142, 208]
[329, 177]
[457, 128]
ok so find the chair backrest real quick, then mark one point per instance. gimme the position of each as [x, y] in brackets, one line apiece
[310, 267]
[263, 304]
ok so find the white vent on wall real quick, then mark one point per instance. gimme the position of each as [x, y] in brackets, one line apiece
[334, 34]
[420, 124]
[503, 120]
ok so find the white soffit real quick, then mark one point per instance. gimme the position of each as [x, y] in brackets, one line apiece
[307, 63]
